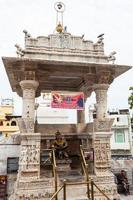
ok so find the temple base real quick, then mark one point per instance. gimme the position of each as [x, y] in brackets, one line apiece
[41, 189]
[105, 181]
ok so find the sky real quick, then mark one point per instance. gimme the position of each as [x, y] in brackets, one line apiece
[89, 17]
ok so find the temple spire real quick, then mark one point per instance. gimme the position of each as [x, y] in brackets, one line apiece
[60, 8]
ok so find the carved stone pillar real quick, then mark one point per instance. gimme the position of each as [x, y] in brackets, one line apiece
[81, 113]
[29, 89]
[81, 116]
[102, 156]
[102, 151]
[29, 162]
[101, 100]
[29, 184]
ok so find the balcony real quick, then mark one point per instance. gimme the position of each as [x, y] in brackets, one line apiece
[9, 128]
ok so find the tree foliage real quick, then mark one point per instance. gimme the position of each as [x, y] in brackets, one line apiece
[130, 98]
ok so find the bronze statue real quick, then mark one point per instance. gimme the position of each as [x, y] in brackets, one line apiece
[60, 145]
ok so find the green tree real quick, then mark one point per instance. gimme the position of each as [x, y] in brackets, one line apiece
[130, 98]
[130, 102]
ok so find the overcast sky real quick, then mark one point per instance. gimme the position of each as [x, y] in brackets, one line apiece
[89, 17]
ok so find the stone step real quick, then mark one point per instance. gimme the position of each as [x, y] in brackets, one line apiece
[75, 192]
[79, 198]
[71, 179]
[71, 176]
[75, 172]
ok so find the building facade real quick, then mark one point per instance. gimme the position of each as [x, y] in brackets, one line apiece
[9, 146]
[121, 143]
[121, 140]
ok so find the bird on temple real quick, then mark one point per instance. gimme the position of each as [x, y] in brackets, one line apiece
[101, 35]
[100, 38]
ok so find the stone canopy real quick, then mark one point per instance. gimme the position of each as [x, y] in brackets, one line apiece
[60, 75]
[62, 62]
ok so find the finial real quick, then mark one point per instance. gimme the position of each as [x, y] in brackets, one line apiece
[60, 8]
[59, 28]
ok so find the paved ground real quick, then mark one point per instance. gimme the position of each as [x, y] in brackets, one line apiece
[129, 197]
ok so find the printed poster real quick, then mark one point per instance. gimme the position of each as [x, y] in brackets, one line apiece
[72, 100]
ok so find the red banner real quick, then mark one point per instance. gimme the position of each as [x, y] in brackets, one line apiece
[74, 100]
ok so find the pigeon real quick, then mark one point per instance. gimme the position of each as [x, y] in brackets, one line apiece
[101, 35]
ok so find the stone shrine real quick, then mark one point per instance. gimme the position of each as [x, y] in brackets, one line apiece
[62, 62]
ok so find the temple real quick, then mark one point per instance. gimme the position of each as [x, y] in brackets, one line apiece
[63, 62]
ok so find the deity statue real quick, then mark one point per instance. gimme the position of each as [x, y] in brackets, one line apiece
[60, 145]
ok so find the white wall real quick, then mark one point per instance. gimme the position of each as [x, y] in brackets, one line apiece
[47, 115]
[123, 120]
[5, 152]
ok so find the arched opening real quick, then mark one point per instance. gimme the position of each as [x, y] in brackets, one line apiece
[13, 123]
[1, 123]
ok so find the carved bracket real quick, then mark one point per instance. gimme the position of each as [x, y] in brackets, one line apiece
[25, 125]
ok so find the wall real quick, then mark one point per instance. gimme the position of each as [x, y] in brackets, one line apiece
[7, 150]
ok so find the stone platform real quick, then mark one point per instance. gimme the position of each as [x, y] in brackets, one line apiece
[33, 189]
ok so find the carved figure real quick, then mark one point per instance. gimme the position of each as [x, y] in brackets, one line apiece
[60, 146]
[111, 57]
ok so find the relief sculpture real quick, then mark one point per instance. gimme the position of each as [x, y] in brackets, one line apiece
[102, 154]
[29, 155]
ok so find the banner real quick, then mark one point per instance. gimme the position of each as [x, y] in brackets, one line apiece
[72, 100]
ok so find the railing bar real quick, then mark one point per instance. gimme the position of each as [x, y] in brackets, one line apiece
[88, 185]
[56, 185]
[82, 156]
[92, 190]
[57, 192]
[64, 190]
[101, 191]
[54, 170]
[54, 159]
[46, 149]
[77, 183]
[46, 161]
[85, 169]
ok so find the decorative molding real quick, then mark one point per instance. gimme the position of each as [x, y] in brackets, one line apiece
[29, 84]
[101, 125]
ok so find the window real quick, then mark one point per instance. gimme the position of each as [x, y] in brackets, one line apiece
[13, 123]
[119, 136]
[118, 119]
[1, 123]
[12, 164]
